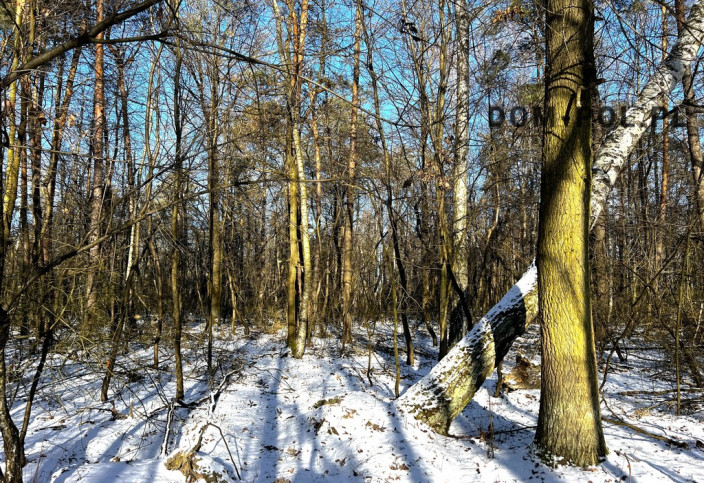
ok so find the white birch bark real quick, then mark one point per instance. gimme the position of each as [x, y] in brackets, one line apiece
[444, 392]
[613, 155]
[458, 323]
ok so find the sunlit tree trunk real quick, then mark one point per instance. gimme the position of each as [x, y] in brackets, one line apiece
[569, 420]
[14, 450]
[303, 319]
[348, 226]
[294, 255]
[315, 314]
[298, 314]
[459, 325]
[11, 172]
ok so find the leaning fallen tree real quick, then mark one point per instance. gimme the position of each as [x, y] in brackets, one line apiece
[445, 391]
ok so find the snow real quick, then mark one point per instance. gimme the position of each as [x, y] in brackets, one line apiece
[319, 419]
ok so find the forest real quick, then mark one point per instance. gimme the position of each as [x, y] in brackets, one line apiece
[359, 240]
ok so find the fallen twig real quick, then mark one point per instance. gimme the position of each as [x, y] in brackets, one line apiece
[656, 393]
[169, 420]
[633, 427]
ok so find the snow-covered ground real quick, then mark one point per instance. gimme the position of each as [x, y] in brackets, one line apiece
[281, 419]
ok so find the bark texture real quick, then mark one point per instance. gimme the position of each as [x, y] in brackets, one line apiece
[569, 421]
[14, 450]
[292, 53]
[459, 325]
[177, 229]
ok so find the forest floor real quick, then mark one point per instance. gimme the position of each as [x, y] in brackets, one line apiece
[319, 418]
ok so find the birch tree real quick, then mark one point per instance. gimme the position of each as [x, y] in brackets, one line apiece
[459, 325]
[445, 391]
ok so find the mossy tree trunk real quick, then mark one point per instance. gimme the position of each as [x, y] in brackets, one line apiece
[569, 421]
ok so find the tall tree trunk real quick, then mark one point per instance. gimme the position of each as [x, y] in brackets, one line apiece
[13, 159]
[315, 314]
[569, 420]
[35, 145]
[442, 394]
[294, 255]
[459, 325]
[437, 137]
[298, 220]
[664, 178]
[302, 326]
[14, 450]
[98, 181]
[25, 258]
[215, 225]
[348, 227]
[177, 228]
